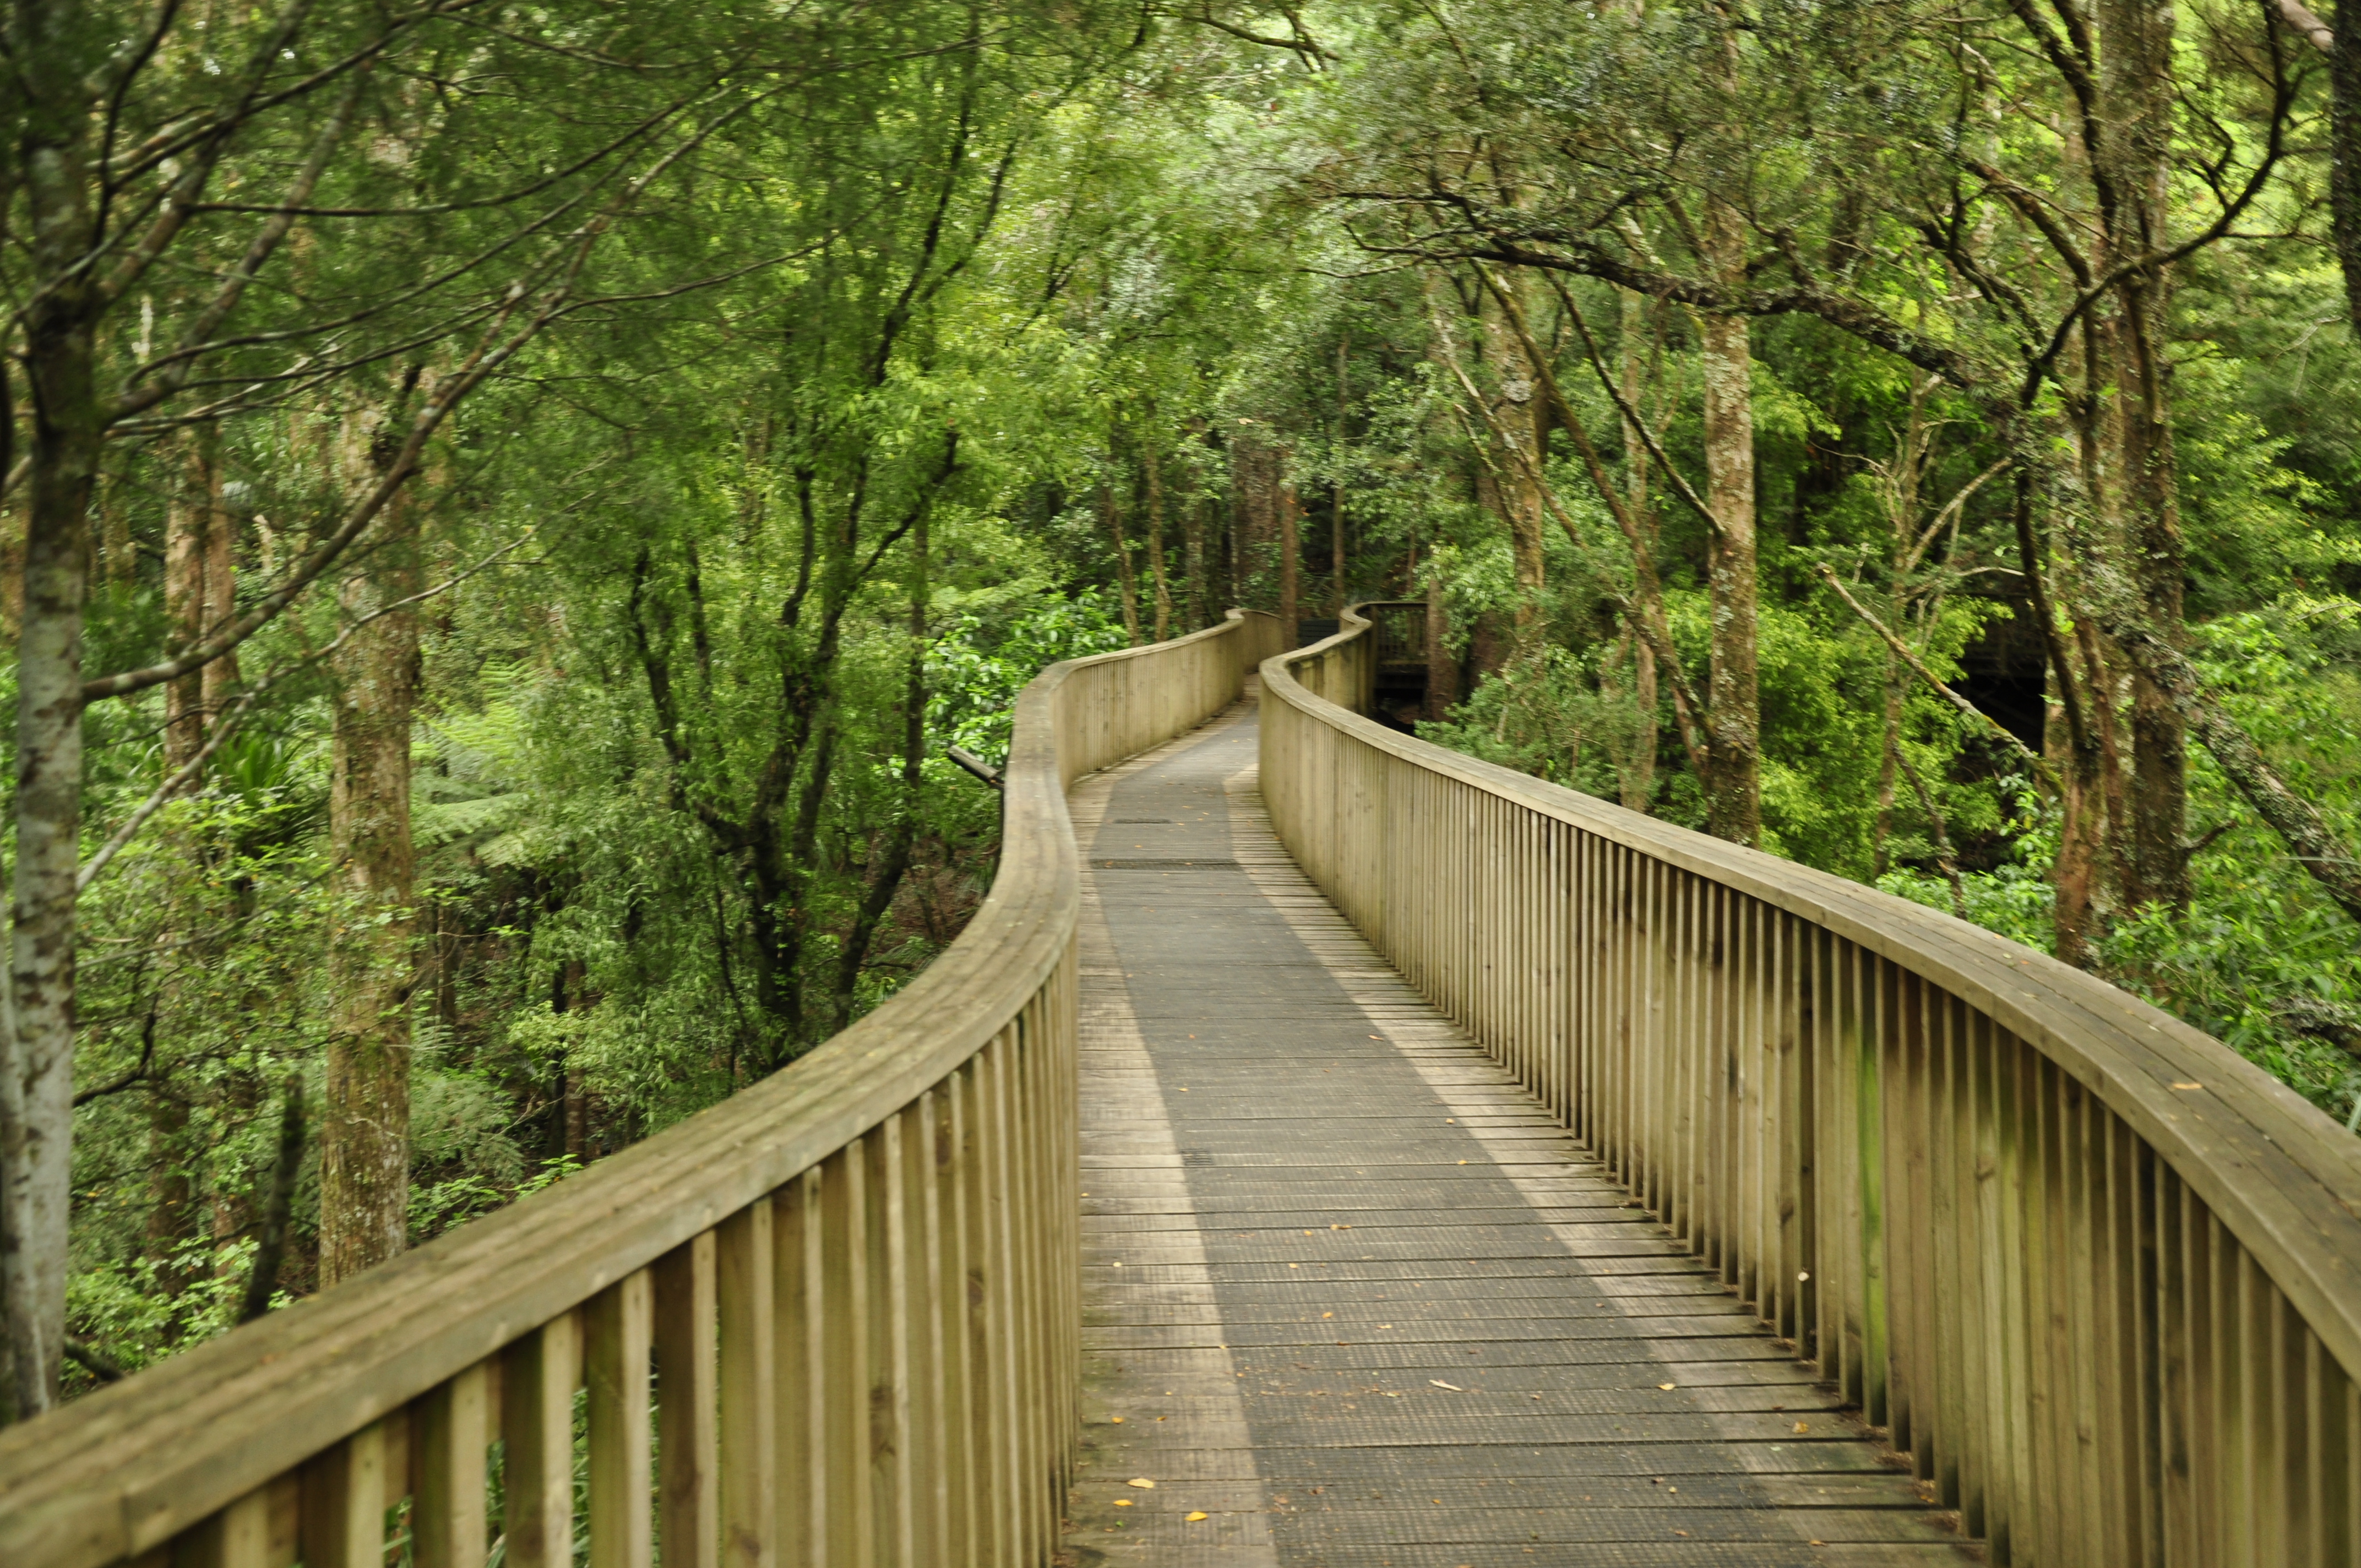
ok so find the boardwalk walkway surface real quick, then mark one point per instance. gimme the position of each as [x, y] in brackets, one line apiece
[1350, 1298]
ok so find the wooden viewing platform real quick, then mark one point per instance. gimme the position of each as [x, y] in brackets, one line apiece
[1351, 1297]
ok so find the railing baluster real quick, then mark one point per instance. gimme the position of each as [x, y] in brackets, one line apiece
[449, 1434]
[687, 1430]
[344, 1504]
[746, 1305]
[800, 1356]
[620, 1330]
[538, 1377]
[236, 1536]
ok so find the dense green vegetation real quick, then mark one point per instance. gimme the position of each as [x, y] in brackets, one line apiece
[554, 482]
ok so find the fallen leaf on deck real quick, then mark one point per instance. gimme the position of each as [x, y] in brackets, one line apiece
[1117, 1420]
[1441, 1383]
[1141, 1481]
[1199, 1514]
[1123, 1502]
[1664, 1385]
[1803, 1426]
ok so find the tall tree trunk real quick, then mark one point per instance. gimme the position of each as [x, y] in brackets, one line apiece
[221, 676]
[1126, 581]
[2344, 151]
[1514, 491]
[1441, 674]
[188, 521]
[1639, 784]
[1192, 545]
[1638, 774]
[1893, 737]
[1336, 489]
[1155, 475]
[1290, 556]
[365, 1122]
[2137, 79]
[1733, 719]
[1733, 708]
[37, 1037]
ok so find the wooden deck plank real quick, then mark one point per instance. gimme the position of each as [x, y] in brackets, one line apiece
[1353, 1297]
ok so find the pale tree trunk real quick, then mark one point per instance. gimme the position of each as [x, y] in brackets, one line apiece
[186, 521]
[2136, 79]
[1148, 460]
[1441, 674]
[36, 1035]
[1515, 491]
[1192, 546]
[1336, 489]
[1291, 554]
[1891, 750]
[2344, 150]
[221, 675]
[1733, 709]
[1733, 720]
[1639, 781]
[1111, 511]
[365, 1122]
[1638, 775]
[171, 1211]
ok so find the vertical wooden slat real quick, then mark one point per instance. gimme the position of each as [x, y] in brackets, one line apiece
[619, 1329]
[845, 1368]
[888, 1272]
[448, 1521]
[538, 1376]
[800, 1355]
[344, 1503]
[689, 1429]
[236, 1536]
[746, 1305]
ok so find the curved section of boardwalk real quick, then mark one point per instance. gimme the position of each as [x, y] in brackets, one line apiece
[1351, 1297]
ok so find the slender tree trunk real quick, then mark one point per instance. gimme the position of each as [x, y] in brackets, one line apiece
[1155, 475]
[171, 1197]
[1640, 781]
[1290, 557]
[1126, 581]
[2344, 150]
[1521, 417]
[1639, 772]
[2136, 78]
[1336, 490]
[1733, 709]
[365, 1124]
[221, 676]
[187, 523]
[1733, 719]
[1441, 674]
[1192, 545]
[36, 1039]
[1893, 733]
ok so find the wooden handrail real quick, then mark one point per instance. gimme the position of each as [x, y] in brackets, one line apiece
[839, 1311]
[2096, 1274]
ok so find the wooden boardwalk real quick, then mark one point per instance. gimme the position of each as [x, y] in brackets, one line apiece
[1350, 1298]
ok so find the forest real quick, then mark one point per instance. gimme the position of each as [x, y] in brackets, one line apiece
[508, 508]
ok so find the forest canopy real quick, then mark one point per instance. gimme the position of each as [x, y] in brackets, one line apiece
[508, 509]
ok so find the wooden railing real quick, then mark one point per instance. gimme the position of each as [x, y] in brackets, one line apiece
[2095, 1275]
[833, 1321]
